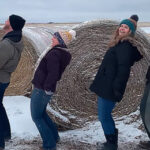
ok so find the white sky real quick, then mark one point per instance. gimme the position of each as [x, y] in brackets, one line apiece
[74, 10]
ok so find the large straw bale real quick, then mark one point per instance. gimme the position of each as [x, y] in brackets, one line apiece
[73, 99]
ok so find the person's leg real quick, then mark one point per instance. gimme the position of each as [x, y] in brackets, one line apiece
[105, 108]
[2, 143]
[4, 122]
[144, 108]
[39, 101]
[51, 125]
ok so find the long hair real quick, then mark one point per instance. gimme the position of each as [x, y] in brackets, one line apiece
[116, 38]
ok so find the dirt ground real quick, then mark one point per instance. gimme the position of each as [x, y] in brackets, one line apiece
[64, 144]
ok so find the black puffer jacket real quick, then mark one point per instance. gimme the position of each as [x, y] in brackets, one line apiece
[112, 76]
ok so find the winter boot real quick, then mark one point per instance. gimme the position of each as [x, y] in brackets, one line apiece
[58, 140]
[144, 145]
[112, 141]
[41, 148]
[7, 136]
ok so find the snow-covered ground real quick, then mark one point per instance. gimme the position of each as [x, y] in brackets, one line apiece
[22, 126]
[146, 29]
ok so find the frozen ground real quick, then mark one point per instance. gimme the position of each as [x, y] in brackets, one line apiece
[26, 137]
[146, 29]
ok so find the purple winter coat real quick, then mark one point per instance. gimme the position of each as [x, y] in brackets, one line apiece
[51, 68]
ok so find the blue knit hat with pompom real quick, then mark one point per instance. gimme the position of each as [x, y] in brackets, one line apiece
[131, 23]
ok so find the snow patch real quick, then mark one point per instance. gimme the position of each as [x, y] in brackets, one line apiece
[22, 126]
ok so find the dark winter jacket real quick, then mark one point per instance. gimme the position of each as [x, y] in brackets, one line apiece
[11, 47]
[51, 68]
[148, 75]
[112, 76]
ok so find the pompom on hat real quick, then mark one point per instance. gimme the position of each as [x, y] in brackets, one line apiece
[65, 37]
[16, 22]
[131, 22]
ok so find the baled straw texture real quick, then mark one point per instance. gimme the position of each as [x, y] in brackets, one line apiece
[73, 99]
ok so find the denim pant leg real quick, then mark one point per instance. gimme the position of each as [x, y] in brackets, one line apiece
[39, 101]
[52, 125]
[4, 122]
[105, 108]
[143, 105]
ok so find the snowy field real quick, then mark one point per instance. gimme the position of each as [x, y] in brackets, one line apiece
[26, 137]
[23, 128]
[146, 29]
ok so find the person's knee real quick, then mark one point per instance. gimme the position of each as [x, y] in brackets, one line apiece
[35, 117]
[102, 118]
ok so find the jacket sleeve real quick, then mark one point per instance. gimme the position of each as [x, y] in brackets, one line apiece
[124, 60]
[53, 68]
[4, 54]
[148, 75]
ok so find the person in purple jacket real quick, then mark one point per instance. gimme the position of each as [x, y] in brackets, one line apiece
[51, 65]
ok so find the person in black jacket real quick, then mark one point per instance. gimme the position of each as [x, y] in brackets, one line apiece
[112, 76]
[50, 68]
[145, 110]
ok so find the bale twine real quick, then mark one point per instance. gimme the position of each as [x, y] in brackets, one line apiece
[20, 83]
[73, 99]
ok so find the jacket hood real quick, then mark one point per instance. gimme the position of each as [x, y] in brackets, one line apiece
[134, 43]
[49, 48]
[18, 45]
[14, 36]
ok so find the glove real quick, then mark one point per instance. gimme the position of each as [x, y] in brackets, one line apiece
[48, 92]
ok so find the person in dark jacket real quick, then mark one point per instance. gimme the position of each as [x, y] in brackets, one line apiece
[50, 67]
[145, 111]
[112, 76]
[11, 47]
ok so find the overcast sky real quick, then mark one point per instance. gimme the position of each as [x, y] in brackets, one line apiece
[74, 10]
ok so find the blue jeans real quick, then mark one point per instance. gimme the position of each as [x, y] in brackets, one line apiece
[4, 122]
[105, 108]
[46, 127]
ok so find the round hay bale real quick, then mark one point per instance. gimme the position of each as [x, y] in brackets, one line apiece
[20, 83]
[73, 99]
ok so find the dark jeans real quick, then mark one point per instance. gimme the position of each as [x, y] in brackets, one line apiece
[46, 127]
[144, 108]
[4, 122]
[105, 108]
